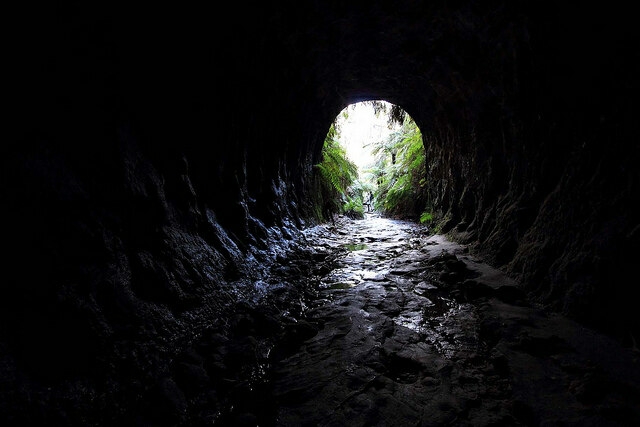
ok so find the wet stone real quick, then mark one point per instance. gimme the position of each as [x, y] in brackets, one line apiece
[391, 326]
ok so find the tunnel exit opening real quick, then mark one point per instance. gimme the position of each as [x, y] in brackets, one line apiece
[373, 162]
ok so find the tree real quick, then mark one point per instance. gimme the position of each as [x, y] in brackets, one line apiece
[400, 171]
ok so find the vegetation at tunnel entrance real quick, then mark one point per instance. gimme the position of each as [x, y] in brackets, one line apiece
[399, 172]
[392, 183]
[337, 175]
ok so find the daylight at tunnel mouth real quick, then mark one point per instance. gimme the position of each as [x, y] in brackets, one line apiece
[373, 161]
[188, 242]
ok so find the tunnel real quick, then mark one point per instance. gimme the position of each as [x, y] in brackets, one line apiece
[158, 179]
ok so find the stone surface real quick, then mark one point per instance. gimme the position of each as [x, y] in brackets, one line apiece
[401, 352]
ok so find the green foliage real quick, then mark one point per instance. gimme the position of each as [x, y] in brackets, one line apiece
[337, 174]
[354, 208]
[426, 217]
[399, 171]
[395, 181]
[335, 167]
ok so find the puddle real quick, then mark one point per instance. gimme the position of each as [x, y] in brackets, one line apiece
[354, 246]
[341, 285]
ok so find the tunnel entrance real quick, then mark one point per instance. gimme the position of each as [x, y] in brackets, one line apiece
[373, 162]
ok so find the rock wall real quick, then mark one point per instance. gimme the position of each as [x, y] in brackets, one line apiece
[533, 160]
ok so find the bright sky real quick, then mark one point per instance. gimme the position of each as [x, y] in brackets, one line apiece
[360, 130]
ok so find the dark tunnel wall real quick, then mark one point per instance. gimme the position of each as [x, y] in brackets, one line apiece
[156, 153]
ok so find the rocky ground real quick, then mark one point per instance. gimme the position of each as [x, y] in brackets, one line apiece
[373, 322]
[390, 325]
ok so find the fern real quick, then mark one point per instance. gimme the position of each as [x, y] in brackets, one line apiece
[400, 171]
[337, 174]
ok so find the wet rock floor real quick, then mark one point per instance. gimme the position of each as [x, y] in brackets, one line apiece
[393, 326]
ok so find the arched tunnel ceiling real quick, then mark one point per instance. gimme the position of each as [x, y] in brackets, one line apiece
[506, 93]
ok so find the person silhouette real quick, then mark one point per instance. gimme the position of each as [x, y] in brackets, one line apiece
[369, 201]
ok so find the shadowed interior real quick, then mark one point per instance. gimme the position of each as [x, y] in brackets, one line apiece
[162, 157]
